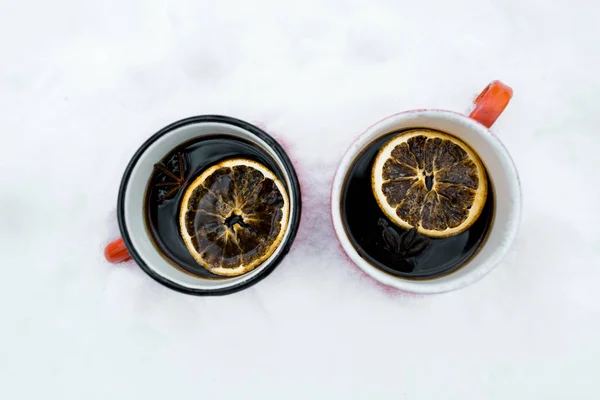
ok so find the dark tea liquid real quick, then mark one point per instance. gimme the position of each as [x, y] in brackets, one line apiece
[162, 207]
[422, 257]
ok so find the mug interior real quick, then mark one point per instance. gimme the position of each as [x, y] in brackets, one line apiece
[132, 199]
[503, 178]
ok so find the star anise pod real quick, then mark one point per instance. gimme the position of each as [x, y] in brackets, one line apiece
[177, 180]
[406, 245]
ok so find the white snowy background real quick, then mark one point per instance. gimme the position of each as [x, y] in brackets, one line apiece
[84, 83]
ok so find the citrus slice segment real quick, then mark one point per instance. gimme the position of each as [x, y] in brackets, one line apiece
[234, 216]
[431, 181]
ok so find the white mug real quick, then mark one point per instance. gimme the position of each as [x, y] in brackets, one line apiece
[137, 243]
[473, 130]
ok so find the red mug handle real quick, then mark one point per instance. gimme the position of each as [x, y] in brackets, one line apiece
[116, 252]
[491, 102]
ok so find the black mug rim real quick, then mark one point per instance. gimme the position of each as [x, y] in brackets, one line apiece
[293, 225]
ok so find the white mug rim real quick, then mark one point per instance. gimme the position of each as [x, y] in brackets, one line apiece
[450, 281]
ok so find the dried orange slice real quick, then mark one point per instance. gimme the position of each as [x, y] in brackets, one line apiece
[431, 181]
[234, 216]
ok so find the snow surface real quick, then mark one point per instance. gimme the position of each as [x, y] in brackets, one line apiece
[84, 83]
